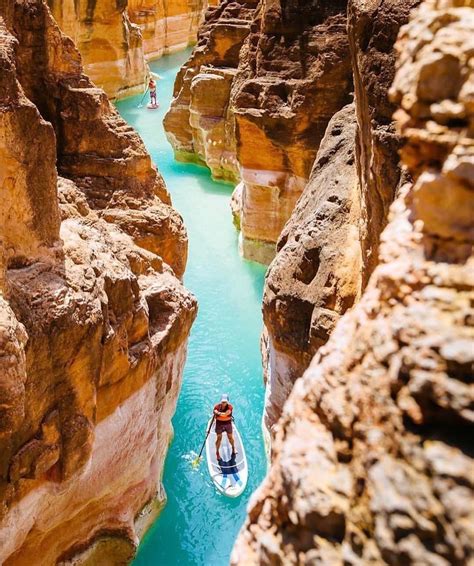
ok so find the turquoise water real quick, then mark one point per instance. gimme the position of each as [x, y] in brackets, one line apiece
[198, 526]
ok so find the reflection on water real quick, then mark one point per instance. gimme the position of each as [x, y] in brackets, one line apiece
[198, 526]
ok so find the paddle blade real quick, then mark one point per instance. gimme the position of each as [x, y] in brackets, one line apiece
[195, 463]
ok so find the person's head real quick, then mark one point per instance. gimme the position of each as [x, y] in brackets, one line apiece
[224, 399]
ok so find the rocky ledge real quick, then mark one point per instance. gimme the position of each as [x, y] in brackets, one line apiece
[94, 319]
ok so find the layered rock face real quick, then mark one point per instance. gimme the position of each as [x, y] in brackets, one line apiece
[93, 317]
[329, 247]
[294, 75]
[167, 25]
[253, 103]
[372, 461]
[116, 38]
[200, 123]
[110, 44]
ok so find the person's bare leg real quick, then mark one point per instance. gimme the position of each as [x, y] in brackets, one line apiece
[218, 444]
[230, 436]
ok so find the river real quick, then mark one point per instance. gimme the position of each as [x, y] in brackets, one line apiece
[198, 526]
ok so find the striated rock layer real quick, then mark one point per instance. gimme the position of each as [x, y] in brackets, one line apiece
[200, 124]
[116, 38]
[294, 74]
[167, 25]
[93, 317]
[329, 247]
[372, 461]
[254, 100]
[110, 44]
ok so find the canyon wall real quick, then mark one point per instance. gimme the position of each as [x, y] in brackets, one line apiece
[94, 319]
[372, 457]
[253, 103]
[116, 38]
[167, 25]
[329, 247]
[200, 124]
[111, 45]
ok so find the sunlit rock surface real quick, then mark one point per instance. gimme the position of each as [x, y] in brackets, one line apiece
[294, 74]
[110, 43]
[117, 37]
[200, 123]
[253, 103]
[93, 317]
[372, 461]
[167, 25]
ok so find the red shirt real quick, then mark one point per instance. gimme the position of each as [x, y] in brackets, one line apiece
[221, 409]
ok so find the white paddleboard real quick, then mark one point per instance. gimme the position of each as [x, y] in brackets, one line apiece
[228, 474]
[152, 106]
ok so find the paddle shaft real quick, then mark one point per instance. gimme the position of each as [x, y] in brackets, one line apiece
[208, 431]
[143, 98]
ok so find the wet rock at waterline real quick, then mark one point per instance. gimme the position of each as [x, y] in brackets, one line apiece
[200, 123]
[372, 459]
[93, 317]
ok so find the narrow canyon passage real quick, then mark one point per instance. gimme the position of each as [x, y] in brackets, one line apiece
[198, 526]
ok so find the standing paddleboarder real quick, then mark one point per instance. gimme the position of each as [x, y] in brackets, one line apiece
[152, 89]
[223, 416]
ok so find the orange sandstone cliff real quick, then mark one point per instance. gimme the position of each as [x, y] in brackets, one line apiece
[116, 38]
[372, 457]
[94, 319]
[253, 103]
[167, 25]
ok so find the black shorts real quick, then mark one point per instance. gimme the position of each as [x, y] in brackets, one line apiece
[223, 426]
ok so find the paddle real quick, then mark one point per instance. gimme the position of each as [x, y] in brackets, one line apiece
[196, 461]
[143, 98]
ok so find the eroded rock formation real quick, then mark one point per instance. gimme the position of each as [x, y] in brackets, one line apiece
[253, 103]
[93, 317]
[116, 38]
[293, 76]
[372, 461]
[316, 275]
[333, 235]
[167, 25]
[200, 124]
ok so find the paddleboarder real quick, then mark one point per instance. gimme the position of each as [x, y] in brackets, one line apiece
[223, 416]
[152, 89]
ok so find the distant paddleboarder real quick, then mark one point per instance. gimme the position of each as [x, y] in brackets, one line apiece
[152, 89]
[223, 415]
